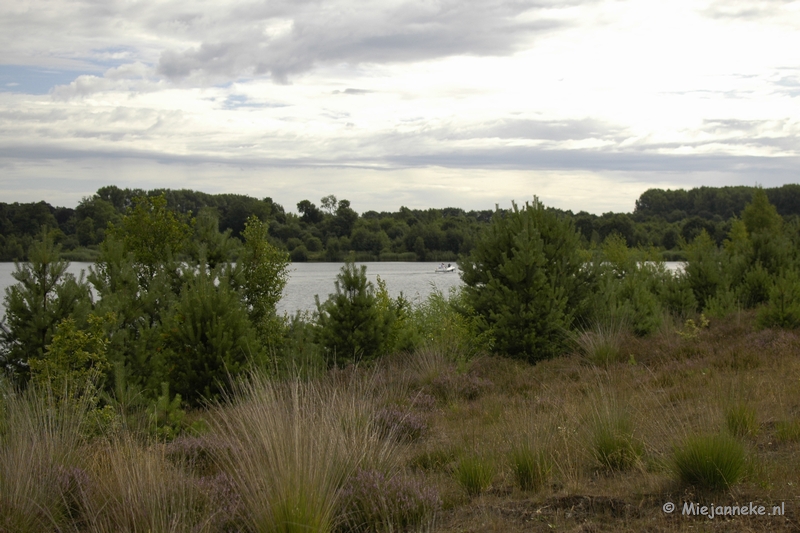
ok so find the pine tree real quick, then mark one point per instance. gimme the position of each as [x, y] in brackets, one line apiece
[526, 282]
[45, 294]
[351, 324]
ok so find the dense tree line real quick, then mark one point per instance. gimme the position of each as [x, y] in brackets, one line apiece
[330, 231]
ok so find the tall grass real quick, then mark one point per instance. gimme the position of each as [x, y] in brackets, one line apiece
[40, 444]
[614, 445]
[292, 448]
[601, 345]
[136, 488]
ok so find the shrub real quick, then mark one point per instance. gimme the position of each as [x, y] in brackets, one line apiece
[475, 473]
[783, 308]
[711, 462]
[526, 281]
[531, 467]
[351, 324]
[373, 501]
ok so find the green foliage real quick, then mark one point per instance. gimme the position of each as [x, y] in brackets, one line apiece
[526, 282]
[264, 271]
[44, 295]
[75, 357]
[351, 325]
[207, 337]
[710, 462]
[783, 308]
[166, 415]
[153, 234]
[705, 269]
[691, 329]
[760, 215]
[140, 310]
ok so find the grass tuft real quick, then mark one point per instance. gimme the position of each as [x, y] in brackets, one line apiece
[531, 467]
[740, 420]
[602, 345]
[710, 462]
[475, 473]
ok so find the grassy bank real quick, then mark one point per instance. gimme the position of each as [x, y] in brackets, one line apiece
[433, 441]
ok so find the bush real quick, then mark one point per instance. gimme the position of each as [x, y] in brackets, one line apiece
[351, 326]
[711, 462]
[526, 281]
[783, 308]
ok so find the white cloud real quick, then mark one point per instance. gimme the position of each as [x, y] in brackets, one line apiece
[405, 100]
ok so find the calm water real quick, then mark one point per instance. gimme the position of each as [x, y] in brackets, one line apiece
[415, 280]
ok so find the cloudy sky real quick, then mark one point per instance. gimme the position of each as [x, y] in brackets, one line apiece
[585, 103]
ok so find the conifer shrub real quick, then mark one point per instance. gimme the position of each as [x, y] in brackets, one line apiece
[351, 326]
[45, 294]
[709, 462]
[207, 338]
[526, 281]
[783, 308]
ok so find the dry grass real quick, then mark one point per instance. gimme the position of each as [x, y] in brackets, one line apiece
[564, 446]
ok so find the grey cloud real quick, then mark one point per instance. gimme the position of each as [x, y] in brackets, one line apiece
[330, 32]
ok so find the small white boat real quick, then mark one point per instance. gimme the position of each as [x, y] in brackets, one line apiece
[444, 269]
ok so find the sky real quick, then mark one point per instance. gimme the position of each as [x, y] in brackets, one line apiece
[458, 103]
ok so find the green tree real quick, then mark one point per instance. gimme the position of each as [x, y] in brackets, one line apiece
[153, 234]
[44, 295]
[526, 281]
[263, 275]
[353, 324]
[207, 337]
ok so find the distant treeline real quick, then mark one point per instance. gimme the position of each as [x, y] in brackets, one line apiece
[331, 230]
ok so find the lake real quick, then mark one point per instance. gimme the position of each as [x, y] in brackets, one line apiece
[415, 280]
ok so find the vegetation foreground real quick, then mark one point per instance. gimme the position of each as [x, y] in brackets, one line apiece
[434, 442]
[562, 388]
